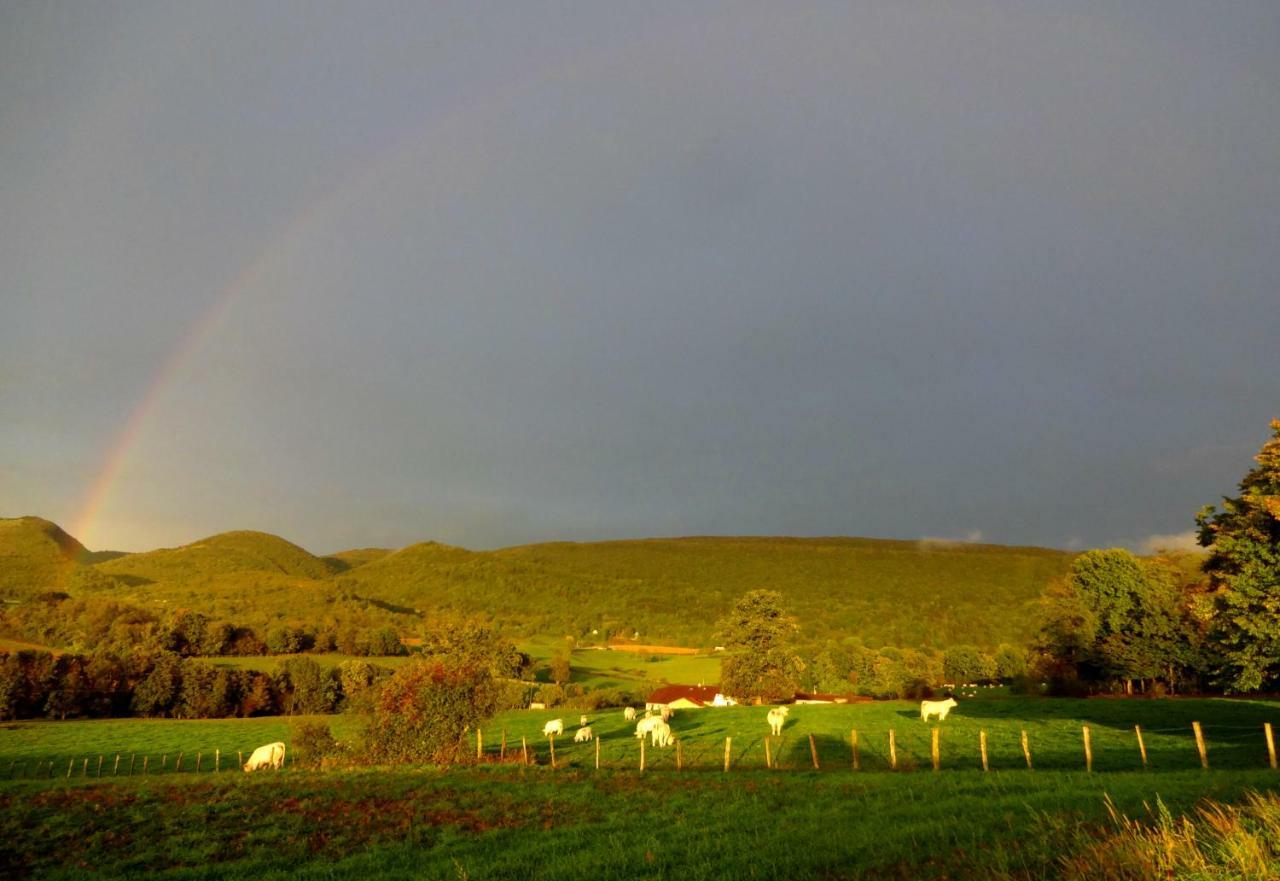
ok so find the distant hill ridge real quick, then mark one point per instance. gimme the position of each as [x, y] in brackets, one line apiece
[670, 590]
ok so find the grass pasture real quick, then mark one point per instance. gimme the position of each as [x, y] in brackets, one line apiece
[508, 821]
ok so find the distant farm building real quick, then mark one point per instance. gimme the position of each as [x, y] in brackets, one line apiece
[688, 697]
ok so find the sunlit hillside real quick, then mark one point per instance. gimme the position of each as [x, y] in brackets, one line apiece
[37, 556]
[896, 592]
[667, 590]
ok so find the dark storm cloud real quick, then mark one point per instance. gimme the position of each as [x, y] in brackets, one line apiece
[494, 276]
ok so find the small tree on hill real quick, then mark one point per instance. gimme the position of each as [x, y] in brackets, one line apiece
[761, 665]
[1244, 569]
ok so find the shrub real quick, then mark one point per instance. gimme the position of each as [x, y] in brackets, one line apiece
[313, 743]
[422, 711]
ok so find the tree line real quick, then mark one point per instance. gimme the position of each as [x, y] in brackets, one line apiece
[99, 623]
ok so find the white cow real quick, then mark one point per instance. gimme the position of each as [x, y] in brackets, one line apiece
[554, 727]
[582, 720]
[583, 734]
[777, 718]
[269, 756]
[629, 714]
[936, 708]
[661, 734]
[645, 725]
[667, 713]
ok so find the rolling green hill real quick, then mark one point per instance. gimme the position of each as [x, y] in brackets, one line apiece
[892, 592]
[38, 556]
[669, 590]
[222, 554]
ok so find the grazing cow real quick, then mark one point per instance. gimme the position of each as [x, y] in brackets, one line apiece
[629, 714]
[269, 756]
[582, 720]
[553, 728]
[583, 734]
[777, 718]
[936, 708]
[661, 734]
[645, 725]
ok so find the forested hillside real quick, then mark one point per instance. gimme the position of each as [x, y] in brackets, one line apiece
[668, 590]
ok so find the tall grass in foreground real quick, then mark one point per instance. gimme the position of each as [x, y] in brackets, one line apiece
[1216, 841]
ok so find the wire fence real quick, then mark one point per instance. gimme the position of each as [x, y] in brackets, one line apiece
[1089, 748]
[914, 748]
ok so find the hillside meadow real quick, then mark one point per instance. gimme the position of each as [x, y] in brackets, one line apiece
[504, 820]
[669, 591]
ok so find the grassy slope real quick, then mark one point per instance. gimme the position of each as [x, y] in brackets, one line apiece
[905, 593]
[576, 823]
[226, 553]
[36, 556]
[671, 590]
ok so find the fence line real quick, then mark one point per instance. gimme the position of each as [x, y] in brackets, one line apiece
[817, 753]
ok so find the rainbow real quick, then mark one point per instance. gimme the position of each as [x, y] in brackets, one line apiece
[292, 233]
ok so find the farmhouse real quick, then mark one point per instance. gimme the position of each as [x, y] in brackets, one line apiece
[687, 697]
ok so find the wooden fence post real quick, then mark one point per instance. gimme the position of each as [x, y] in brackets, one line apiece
[70, 765]
[642, 753]
[853, 742]
[552, 738]
[132, 758]
[164, 763]
[768, 757]
[813, 751]
[198, 755]
[982, 746]
[1271, 744]
[479, 745]
[1142, 747]
[524, 749]
[1088, 750]
[502, 750]
[145, 761]
[177, 763]
[893, 751]
[217, 759]
[1026, 749]
[1200, 746]
[84, 769]
[679, 755]
[99, 774]
[597, 740]
[116, 769]
[727, 742]
[239, 758]
[933, 750]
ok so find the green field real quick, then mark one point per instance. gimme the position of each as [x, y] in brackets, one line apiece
[1232, 729]
[511, 821]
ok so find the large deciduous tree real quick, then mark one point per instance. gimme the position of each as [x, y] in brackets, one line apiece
[1116, 616]
[1243, 539]
[761, 664]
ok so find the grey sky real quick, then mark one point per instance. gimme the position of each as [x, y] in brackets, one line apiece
[496, 273]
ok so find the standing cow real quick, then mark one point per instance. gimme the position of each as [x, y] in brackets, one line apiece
[554, 728]
[936, 708]
[269, 756]
[777, 718]
[629, 714]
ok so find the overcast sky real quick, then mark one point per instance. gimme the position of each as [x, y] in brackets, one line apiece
[492, 273]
